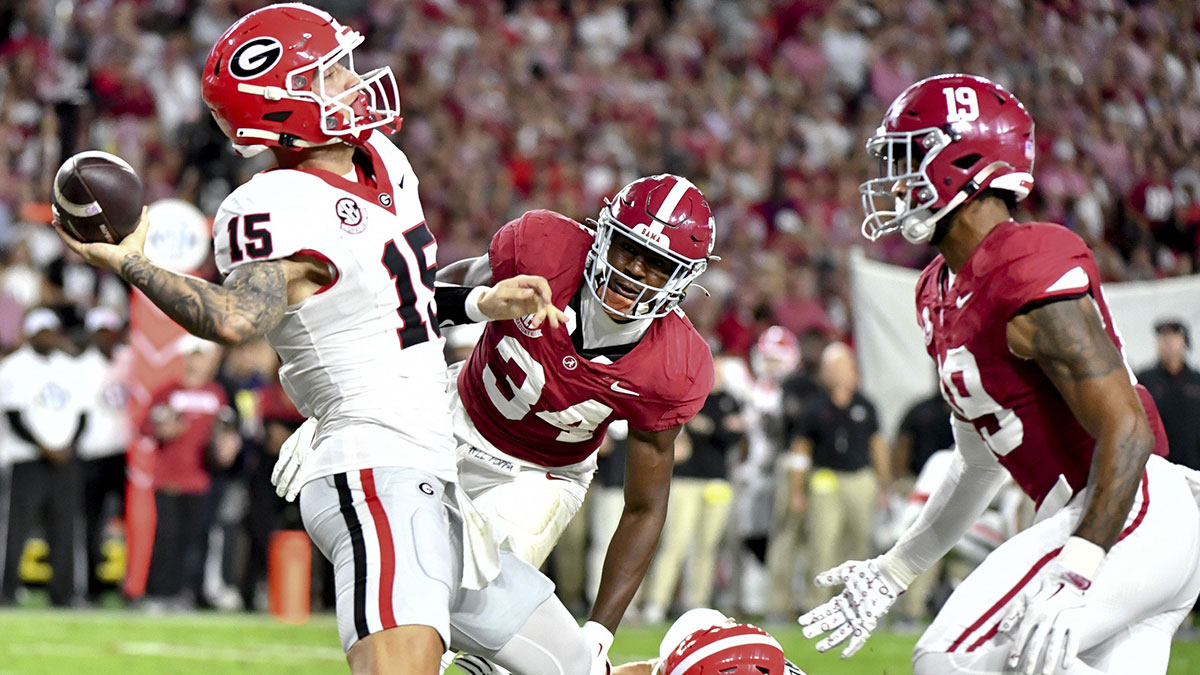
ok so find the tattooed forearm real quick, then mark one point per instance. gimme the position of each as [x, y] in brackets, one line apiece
[1069, 337]
[1115, 478]
[250, 303]
[1070, 344]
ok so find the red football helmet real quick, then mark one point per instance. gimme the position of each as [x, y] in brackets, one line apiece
[776, 354]
[945, 139]
[737, 649]
[265, 82]
[669, 216]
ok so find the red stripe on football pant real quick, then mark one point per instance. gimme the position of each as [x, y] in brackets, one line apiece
[986, 636]
[387, 550]
[1004, 600]
[1137, 520]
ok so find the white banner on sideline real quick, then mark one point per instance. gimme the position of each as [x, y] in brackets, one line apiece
[896, 371]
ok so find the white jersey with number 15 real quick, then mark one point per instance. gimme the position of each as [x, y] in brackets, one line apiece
[363, 355]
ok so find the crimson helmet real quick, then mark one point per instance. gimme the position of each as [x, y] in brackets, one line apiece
[669, 216]
[945, 138]
[727, 649]
[776, 354]
[264, 82]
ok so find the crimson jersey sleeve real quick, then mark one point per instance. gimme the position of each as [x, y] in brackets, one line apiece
[684, 380]
[1039, 263]
[540, 242]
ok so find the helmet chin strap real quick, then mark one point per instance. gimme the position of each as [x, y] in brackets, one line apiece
[292, 142]
[918, 228]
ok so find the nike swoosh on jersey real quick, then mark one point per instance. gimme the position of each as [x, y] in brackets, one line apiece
[963, 299]
[616, 386]
[550, 476]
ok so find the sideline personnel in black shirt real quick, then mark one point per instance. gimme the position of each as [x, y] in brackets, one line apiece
[1175, 387]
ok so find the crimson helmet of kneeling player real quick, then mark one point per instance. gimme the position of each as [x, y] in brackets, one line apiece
[668, 216]
[729, 649]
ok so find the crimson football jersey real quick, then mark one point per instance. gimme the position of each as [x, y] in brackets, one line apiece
[533, 396]
[1013, 404]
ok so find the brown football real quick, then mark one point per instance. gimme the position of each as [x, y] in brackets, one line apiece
[97, 197]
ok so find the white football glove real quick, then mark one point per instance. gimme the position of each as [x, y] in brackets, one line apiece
[291, 456]
[600, 639]
[852, 614]
[1044, 625]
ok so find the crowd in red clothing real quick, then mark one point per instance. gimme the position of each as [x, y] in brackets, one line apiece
[556, 103]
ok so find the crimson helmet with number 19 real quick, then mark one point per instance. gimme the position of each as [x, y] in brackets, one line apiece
[265, 82]
[943, 141]
[667, 215]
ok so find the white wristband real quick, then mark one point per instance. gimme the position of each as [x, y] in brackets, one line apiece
[1082, 557]
[472, 304]
[899, 570]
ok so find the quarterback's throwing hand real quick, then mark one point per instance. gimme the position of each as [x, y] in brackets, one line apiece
[852, 614]
[109, 256]
[522, 295]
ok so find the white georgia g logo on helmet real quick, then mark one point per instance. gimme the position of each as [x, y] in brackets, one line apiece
[255, 58]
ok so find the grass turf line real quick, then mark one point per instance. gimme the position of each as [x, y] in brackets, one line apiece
[33, 642]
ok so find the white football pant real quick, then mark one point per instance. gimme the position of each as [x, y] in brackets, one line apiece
[1147, 584]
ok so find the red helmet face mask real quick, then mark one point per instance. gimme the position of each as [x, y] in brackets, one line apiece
[667, 216]
[737, 649]
[944, 140]
[284, 76]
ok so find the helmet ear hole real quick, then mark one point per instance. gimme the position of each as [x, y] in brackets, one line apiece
[966, 161]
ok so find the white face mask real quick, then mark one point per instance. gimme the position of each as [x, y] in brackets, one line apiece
[599, 328]
[649, 301]
[902, 162]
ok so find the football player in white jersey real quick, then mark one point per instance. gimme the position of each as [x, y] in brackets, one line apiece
[328, 256]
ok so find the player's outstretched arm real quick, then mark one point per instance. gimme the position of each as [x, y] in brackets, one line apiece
[250, 303]
[648, 465]
[519, 296]
[872, 586]
[1068, 340]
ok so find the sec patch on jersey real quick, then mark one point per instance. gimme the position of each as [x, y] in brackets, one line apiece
[97, 197]
[352, 218]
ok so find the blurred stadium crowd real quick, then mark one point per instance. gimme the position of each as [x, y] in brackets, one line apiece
[555, 104]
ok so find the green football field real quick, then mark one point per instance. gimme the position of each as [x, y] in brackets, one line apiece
[132, 643]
